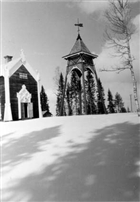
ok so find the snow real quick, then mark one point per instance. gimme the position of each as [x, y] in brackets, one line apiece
[77, 158]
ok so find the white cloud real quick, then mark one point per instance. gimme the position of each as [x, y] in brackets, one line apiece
[105, 59]
[136, 22]
[133, 1]
[93, 5]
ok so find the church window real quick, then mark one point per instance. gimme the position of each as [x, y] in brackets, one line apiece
[23, 76]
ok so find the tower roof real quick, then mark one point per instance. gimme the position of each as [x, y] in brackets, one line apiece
[79, 47]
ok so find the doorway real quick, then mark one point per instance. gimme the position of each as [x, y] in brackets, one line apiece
[24, 112]
[25, 106]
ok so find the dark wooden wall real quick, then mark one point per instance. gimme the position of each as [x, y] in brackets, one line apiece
[15, 86]
[2, 95]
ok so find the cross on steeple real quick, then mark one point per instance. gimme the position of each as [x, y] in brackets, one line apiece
[79, 25]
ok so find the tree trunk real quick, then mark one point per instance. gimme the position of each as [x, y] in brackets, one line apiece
[133, 80]
[135, 91]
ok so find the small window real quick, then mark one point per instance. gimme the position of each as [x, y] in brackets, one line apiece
[23, 76]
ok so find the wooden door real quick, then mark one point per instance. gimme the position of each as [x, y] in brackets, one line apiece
[24, 110]
[30, 110]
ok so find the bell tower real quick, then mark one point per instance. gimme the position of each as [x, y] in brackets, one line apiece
[80, 59]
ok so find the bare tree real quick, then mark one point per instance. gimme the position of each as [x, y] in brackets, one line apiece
[118, 34]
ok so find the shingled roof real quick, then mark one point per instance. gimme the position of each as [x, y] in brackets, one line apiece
[79, 47]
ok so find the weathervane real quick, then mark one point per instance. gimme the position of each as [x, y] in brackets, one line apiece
[79, 25]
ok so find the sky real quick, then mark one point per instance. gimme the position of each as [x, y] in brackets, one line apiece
[45, 31]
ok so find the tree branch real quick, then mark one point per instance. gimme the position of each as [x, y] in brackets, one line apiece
[117, 69]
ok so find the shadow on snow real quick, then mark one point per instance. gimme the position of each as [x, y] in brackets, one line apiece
[105, 170]
[17, 150]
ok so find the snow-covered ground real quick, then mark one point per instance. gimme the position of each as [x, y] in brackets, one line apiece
[78, 158]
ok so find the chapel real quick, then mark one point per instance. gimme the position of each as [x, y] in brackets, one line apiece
[19, 90]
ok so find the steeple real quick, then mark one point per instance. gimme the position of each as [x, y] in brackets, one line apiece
[80, 59]
[79, 48]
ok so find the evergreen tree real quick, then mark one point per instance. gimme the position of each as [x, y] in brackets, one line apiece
[110, 102]
[60, 95]
[100, 104]
[123, 110]
[90, 93]
[74, 92]
[58, 105]
[69, 99]
[119, 103]
[44, 101]
[79, 89]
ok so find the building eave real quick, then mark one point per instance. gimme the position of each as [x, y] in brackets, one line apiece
[15, 64]
[79, 53]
